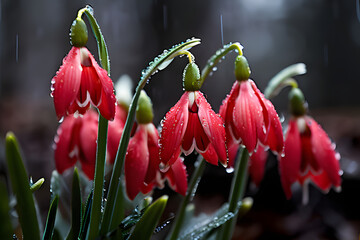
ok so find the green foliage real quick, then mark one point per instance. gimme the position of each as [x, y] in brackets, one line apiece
[49, 228]
[5, 226]
[21, 188]
[76, 208]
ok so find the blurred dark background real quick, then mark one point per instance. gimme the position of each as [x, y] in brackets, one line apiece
[324, 34]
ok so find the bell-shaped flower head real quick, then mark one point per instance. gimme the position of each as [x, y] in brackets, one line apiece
[309, 155]
[192, 125]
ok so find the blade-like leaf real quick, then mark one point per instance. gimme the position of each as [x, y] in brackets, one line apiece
[145, 227]
[50, 221]
[86, 219]
[6, 230]
[21, 188]
[76, 208]
[200, 226]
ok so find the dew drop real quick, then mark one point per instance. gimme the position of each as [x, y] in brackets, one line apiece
[214, 69]
[282, 154]
[230, 170]
[333, 146]
[61, 120]
[337, 156]
[341, 172]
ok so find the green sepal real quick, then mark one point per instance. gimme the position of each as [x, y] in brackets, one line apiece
[297, 102]
[242, 69]
[144, 110]
[6, 230]
[191, 77]
[76, 207]
[144, 229]
[78, 33]
[20, 186]
[50, 221]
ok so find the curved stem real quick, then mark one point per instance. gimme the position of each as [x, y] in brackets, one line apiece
[188, 54]
[283, 79]
[217, 57]
[180, 216]
[237, 192]
[124, 141]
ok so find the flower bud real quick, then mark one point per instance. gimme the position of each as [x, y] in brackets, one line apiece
[191, 77]
[242, 69]
[78, 33]
[298, 105]
[144, 110]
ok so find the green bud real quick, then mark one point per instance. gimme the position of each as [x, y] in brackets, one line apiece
[298, 104]
[78, 33]
[144, 110]
[242, 69]
[191, 77]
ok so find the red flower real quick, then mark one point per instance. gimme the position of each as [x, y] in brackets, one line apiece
[251, 119]
[192, 124]
[76, 141]
[79, 81]
[142, 171]
[115, 130]
[309, 156]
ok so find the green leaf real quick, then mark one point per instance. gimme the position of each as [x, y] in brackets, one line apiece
[6, 230]
[103, 52]
[21, 189]
[145, 227]
[203, 224]
[157, 64]
[50, 221]
[86, 219]
[76, 208]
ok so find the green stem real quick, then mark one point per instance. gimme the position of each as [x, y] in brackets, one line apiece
[180, 216]
[95, 216]
[236, 193]
[217, 57]
[283, 79]
[154, 66]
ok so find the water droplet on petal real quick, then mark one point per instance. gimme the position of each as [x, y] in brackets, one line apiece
[230, 170]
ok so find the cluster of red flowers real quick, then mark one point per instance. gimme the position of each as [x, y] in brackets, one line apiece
[246, 117]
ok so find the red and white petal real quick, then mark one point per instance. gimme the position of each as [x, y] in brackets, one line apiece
[226, 112]
[107, 102]
[66, 144]
[90, 88]
[87, 142]
[213, 127]
[66, 83]
[248, 118]
[173, 130]
[154, 161]
[177, 177]
[211, 156]
[115, 130]
[136, 162]
[290, 162]
[257, 164]
[324, 152]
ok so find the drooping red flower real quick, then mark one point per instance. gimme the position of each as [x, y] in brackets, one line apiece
[142, 172]
[192, 124]
[251, 119]
[81, 81]
[309, 156]
[76, 141]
